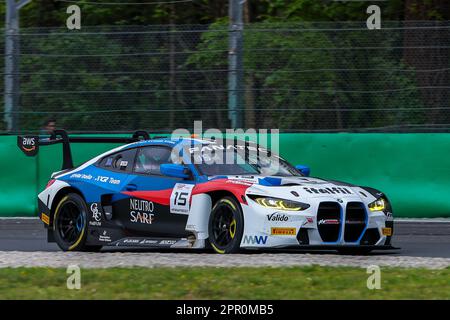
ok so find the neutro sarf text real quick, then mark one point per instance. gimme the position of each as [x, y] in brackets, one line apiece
[141, 211]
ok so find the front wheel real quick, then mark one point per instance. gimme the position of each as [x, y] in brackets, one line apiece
[70, 224]
[226, 226]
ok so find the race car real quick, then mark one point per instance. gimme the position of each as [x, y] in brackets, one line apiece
[170, 193]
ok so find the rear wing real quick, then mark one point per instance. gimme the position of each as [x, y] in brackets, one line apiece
[30, 144]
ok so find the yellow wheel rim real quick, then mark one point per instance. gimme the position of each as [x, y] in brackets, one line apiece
[233, 228]
[54, 225]
[217, 249]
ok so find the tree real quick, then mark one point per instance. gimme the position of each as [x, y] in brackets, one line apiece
[435, 58]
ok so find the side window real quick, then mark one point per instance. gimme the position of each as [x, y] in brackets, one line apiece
[149, 159]
[121, 161]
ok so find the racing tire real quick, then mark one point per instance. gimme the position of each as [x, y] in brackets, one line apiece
[226, 226]
[354, 251]
[70, 224]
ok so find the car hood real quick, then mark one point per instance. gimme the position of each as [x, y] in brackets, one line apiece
[277, 181]
[288, 187]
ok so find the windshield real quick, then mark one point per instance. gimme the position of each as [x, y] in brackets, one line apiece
[235, 161]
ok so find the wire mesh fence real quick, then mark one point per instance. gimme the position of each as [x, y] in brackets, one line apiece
[296, 77]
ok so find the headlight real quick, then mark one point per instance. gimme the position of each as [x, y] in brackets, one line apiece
[378, 205]
[280, 204]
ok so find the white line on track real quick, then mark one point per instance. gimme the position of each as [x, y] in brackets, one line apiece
[19, 218]
[424, 220]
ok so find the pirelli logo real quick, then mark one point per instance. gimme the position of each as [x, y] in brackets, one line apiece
[45, 218]
[387, 231]
[283, 231]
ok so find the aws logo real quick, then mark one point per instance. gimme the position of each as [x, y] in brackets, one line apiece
[28, 144]
[255, 239]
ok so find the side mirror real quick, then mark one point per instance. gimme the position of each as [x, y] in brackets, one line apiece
[174, 170]
[305, 170]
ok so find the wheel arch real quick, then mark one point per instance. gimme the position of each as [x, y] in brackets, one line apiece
[199, 215]
[219, 194]
[59, 196]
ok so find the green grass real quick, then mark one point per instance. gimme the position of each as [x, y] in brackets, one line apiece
[225, 283]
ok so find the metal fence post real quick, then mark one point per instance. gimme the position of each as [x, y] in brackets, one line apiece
[235, 63]
[11, 76]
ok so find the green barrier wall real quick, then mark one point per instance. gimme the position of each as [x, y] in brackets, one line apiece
[412, 169]
[18, 180]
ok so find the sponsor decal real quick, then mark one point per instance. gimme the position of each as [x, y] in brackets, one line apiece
[104, 237]
[328, 221]
[148, 242]
[308, 220]
[141, 205]
[29, 145]
[283, 231]
[123, 163]
[276, 216]
[216, 147]
[255, 239]
[141, 211]
[101, 179]
[45, 218]
[96, 215]
[81, 176]
[180, 198]
[167, 242]
[131, 241]
[246, 180]
[386, 231]
[333, 190]
[105, 179]
[249, 178]
[355, 222]
[241, 182]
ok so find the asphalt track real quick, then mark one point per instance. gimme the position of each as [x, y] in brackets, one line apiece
[416, 238]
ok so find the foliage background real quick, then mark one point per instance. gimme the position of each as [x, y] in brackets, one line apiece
[308, 66]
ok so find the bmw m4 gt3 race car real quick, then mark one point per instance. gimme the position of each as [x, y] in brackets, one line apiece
[149, 193]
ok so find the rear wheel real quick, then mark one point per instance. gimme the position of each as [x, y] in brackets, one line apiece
[226, 226]
[70, 224]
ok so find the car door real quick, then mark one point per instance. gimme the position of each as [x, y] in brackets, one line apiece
[110, 176]
[147, 209]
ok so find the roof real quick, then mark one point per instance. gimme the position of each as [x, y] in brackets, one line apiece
[168, 142]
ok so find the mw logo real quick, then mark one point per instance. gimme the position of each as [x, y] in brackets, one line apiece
[255, 239]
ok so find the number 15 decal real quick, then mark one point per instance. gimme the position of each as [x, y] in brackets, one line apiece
[180, 198]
